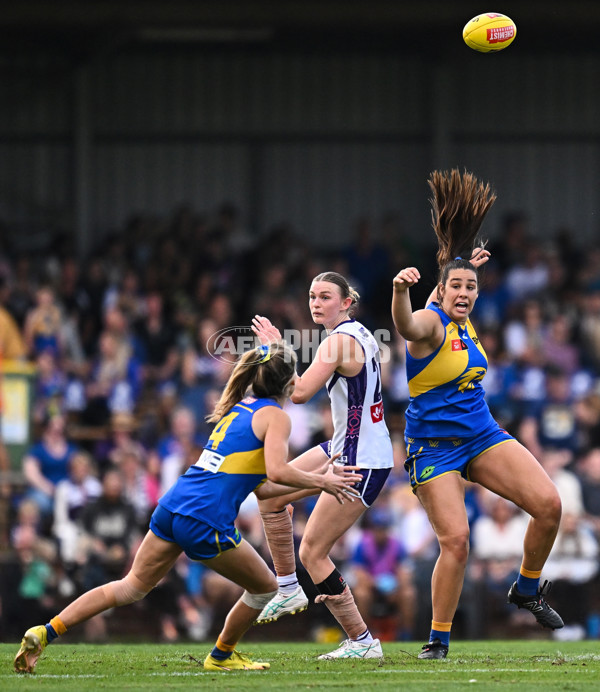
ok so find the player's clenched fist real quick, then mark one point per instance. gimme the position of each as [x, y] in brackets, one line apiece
[406, 278]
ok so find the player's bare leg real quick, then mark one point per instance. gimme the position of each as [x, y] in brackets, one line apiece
[153, 560]
[245, 567]
[327, 523]
[443, 500]
[511, 471]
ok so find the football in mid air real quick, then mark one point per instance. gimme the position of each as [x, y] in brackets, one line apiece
[489, 32]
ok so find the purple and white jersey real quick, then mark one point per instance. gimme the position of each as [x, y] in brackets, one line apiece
[360, 434]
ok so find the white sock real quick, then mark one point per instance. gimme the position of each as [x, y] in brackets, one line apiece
[365, 638]
[287, 584]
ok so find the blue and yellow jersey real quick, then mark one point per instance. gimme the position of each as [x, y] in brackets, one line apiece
[231, 466]
[446, 395]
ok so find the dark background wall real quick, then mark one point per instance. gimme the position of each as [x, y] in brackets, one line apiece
[312, 112]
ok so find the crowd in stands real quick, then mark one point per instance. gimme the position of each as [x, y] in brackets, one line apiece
[125, 376]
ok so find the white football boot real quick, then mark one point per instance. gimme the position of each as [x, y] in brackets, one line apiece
[282, 604]
[352, 649]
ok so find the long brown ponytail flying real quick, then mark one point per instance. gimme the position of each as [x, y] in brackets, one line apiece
[458, 207]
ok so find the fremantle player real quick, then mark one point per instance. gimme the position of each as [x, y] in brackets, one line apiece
[347, 363]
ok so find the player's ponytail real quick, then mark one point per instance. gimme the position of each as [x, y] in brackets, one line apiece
[458, 207]
[266, 371]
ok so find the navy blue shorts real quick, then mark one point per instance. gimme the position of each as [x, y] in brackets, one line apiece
[372, 482]
[198, 540]
[430, 458]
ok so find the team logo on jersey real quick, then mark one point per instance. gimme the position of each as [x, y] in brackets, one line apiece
[426, 472]
[459, 345]
[377, 412]
[354, 420]
[470, 377]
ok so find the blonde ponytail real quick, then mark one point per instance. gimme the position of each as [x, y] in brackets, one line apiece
[266, 371]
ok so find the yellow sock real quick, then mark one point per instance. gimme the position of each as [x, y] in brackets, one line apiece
[222, 651]
[57, 625]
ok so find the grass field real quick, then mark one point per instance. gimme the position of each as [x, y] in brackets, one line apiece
[491, 665]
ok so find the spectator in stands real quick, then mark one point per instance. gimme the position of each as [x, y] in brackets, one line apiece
[530, 275]
[46, 463]
[5, 495]
[12, 345]
[383, 583]
[109, 534]
[200, 370]
[94, 284]
[121, 440]
[558, 349]
[552, 421]
[19, 298]
[368, 263]
[556, 463]
[588, 274]
[114, 383]
[496, 546]
[587, 413]
[589, 328]
[572, 566]
[50, 386]
[394, 384]
[156, 342]
[509, 249]
[181, 436]
[178, 461]
[588, 472]
[27, 577]
[140, 488]
[44, 324]
[128, 296]
[221, 311]
[524, 334]
[71, 497]
[74, 302]
[491, 308]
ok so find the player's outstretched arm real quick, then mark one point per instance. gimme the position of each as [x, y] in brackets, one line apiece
[276, 426]
[413, 326]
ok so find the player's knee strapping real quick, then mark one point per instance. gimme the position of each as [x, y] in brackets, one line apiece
[257, 600]
[125, 591]
[334, 585]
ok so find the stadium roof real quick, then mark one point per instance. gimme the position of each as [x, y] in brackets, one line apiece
[90, 25]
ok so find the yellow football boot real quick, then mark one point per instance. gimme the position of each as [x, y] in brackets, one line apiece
[236, 661]
[34, 641]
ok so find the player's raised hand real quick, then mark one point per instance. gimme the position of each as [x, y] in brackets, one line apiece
[265, 330]
[406, 278]
[479, 256]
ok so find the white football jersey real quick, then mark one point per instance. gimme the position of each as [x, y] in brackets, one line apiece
[360, 433]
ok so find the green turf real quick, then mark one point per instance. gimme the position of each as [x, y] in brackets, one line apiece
[528, 666]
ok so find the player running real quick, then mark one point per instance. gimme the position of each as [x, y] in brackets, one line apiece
[247, 451]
